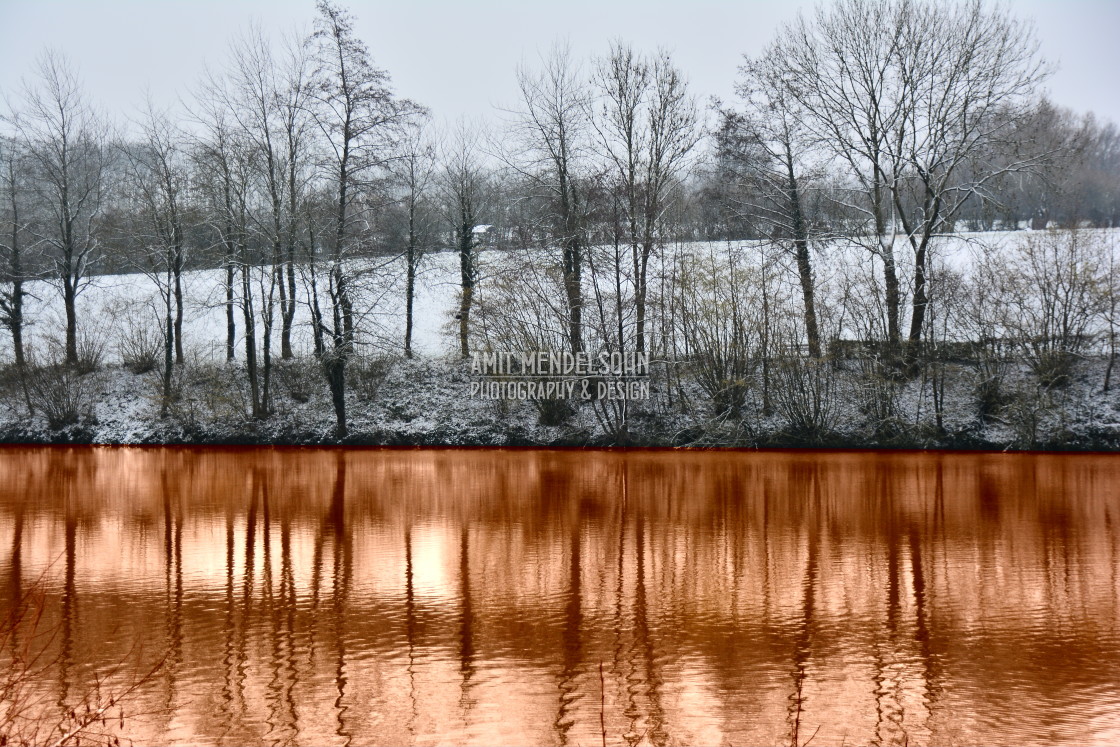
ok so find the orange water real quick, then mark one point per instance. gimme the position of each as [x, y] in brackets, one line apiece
[545, 597]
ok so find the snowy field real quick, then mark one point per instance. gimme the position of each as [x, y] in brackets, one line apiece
[110, 305]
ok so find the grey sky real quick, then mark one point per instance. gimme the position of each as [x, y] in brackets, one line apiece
[459, 58]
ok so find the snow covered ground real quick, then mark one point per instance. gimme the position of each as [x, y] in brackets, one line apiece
[427, 400]
[109, 301]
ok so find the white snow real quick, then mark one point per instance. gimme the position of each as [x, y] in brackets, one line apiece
[425, 400]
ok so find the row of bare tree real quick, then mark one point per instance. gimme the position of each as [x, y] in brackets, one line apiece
[273, 172]
[878, 125]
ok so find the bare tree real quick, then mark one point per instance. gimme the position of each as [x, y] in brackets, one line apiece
[910, 96]
[1078, 183]
[157, 174]
[269, 100]
[218, 174]
[415, 171]
[550, 135]
[1110, 305]
[13, 249]
[622, 80]
[838, 70]
[768, 149]
[65, 142]
[464, 187]
[225, 162]
[673, 132]
[647, 126]
[968, 72]
[360, 120]
[296, 122]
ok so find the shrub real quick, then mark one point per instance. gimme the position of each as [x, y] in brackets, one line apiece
[91, 351]
[298, 378]
[559, 411]
[879, 395]
[61, 393]
[140, 345]
[1051, 287]
[806, 398]
[367, 373]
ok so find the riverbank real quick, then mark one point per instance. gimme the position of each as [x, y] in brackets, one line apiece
[429, 402]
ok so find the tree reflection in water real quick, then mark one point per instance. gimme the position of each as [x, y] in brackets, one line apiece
[331, 596]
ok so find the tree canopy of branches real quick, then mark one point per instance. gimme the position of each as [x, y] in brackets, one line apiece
[913, 97]
[65, 142]
[646, 125]
[551, 148]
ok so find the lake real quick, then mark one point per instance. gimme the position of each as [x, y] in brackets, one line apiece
[350, 596]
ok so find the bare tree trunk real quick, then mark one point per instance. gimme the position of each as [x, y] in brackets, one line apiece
[231, 261]
[14, 302]
[641, 270]
[801, 253]
[467, 277]
[417, 166]
[927, 225]
[336, 358]
[341, 294]
[892, 291]
[169, 338]
[277, 281]
[15, 321]
[767, 405]
[572, 255]
[250, 340]
[573, 287]
[920, 303]
[409, 283]
[618, 310]
[1111, 359]
[285, 321]
[178, 270]
[893, 296]
[317, 327]
[289, 313]
[267, 313]
[69, 296]
[336, 379]
[231, 321]
[1112, 303]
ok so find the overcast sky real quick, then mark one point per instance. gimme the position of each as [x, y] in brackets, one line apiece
[459, 58]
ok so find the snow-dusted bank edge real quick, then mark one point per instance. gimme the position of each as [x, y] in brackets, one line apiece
[427, 402]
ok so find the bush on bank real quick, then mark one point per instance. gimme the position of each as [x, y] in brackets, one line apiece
[846, 403]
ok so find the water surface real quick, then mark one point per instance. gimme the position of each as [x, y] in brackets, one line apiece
[548, 597]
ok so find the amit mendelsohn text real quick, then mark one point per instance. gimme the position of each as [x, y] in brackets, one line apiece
[562, 375]
[543, 363]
